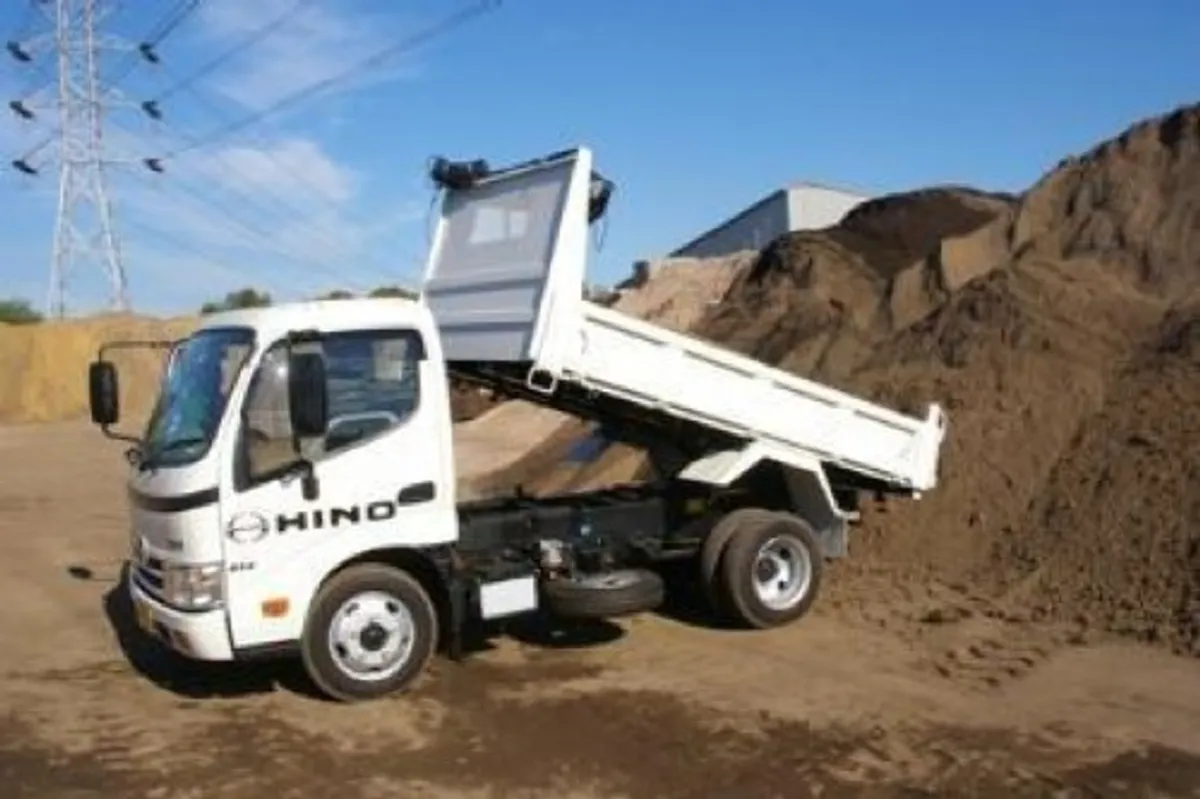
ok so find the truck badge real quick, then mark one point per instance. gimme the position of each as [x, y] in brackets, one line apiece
[249, 527]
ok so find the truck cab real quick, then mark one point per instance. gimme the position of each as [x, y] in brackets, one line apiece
[235, 520]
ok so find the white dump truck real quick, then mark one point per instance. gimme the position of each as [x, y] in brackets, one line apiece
[294, 490]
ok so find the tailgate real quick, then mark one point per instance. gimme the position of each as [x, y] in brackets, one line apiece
[506, 270]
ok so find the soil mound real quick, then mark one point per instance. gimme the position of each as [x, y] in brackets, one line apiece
[1056, 328]
[818, 302]
[1058, 366]
[1114, 539]
[889, 233]
[1133, 201]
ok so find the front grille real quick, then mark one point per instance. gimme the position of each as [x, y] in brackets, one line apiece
[148, 574]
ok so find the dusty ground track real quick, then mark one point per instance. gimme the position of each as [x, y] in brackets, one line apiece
[927, 691]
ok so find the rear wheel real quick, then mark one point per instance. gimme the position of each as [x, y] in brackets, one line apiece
[771, 571]
[713, 549]
[371, 631]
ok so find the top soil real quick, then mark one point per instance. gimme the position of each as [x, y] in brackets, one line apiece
[1061, 331]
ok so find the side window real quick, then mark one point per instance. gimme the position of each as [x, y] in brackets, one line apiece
[373, 387]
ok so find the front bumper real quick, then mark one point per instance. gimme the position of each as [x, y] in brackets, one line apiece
[203, 636]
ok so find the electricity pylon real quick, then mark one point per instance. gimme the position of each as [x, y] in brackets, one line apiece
[84, 233]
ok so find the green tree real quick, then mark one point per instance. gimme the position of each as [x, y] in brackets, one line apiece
[393, 291]
[337, 294]
[234, 300]
[18, 312]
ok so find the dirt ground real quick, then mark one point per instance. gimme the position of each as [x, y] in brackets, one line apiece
[931, 691]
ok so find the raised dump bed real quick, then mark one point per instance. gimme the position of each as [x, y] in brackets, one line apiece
[505, 281]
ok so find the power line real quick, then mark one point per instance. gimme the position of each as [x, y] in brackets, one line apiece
[168, 27]
[292, 174]
[289, 211]
[270, 240]
[159, 32]
[253, 38]
[449, 23]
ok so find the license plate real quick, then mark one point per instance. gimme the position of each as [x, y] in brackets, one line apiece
[145, 617]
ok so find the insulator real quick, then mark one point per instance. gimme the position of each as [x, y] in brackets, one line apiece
[17, 52]
[20, 109]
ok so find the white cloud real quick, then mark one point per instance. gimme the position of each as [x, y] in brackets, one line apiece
[315, 43]
[292, 167]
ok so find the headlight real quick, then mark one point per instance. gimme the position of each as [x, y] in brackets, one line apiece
[193, 587]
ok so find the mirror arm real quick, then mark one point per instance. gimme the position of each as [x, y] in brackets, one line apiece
[108, 433]
[310, 487]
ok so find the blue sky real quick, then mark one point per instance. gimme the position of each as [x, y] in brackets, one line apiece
[694, 108]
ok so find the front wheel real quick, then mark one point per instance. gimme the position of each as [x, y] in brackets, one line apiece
[371, 631]
[771, 570]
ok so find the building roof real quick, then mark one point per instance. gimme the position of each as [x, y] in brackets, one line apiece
[759, 203]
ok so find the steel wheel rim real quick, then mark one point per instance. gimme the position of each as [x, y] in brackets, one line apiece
[782, 573]
[607, 580]
[371, 636]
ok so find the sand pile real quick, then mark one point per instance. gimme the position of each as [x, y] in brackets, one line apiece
[43, 367]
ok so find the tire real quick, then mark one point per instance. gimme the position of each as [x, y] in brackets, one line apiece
[381, 594]
[787, 545]
[604, 595]
[714, 547]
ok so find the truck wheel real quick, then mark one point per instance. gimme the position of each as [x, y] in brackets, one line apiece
[371, 631]
[605, 594]
[714, 547]
[771, 571]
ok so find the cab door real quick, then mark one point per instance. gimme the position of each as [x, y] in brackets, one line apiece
[378, 478]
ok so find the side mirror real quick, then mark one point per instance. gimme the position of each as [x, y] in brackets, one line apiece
[308, 401]
[103, 393]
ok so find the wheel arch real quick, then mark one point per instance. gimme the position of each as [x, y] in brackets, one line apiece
[428, 566]
[780, 481]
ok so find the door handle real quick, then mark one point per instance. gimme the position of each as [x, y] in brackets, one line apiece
[416, 493]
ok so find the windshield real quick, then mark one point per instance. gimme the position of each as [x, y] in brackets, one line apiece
[192, 398]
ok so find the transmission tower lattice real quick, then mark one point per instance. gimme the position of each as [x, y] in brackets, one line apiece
[84, 233]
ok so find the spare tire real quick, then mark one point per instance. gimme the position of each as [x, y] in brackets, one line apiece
[604, 594]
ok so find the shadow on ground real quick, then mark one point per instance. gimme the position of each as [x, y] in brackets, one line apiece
[192, 678]
[552, 633]
[686, 601]
[195, 679]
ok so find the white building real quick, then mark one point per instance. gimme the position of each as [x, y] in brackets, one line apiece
[800, 206]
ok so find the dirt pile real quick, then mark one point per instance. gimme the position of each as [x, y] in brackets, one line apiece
[1114, 537]
[817, 302]
[1068, 482]
[1133, 201]
[1054, 328]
